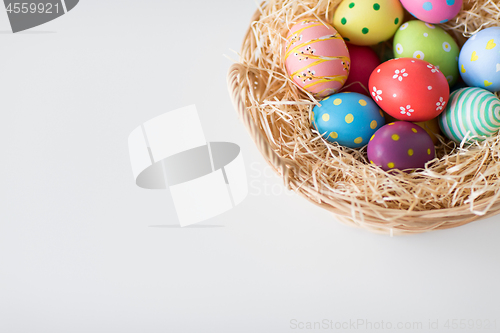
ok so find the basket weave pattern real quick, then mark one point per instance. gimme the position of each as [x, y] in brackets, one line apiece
[460, 186]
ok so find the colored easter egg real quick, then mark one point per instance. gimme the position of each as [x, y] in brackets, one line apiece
[400, 145]
[350, 119]
[430, 126]
[424, 41]
[479, 60]
[472, 112]
[433, 11]
[316, 57]
[409, 89]
[368, 22]
[363, 61]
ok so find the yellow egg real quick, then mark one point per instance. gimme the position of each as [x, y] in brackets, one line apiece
[432, 128]
[368, 22]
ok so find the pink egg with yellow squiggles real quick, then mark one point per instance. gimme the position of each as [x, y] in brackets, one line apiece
[316, 57]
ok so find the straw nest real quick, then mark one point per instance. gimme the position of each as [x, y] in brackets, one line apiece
[460, 186]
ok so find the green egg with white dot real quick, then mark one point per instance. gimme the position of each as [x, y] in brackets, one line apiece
[349, 119]
[424, 41]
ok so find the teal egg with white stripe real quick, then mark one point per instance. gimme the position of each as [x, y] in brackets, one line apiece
[471, 112]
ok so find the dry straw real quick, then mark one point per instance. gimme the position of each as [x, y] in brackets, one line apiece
[460, 186]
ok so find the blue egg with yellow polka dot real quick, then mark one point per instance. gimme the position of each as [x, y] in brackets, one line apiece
[349, 118]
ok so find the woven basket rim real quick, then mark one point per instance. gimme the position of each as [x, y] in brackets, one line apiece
[361, 213]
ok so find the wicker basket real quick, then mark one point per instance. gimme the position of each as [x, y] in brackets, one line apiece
[462, 185]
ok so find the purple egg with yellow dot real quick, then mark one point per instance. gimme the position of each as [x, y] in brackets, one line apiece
[349, 118]
[401, 145]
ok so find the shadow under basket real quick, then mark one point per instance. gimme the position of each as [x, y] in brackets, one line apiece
[461, 185]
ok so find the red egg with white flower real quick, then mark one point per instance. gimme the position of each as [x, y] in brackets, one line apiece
[409, 89]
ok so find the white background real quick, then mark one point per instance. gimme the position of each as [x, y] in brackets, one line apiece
[82, 249]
